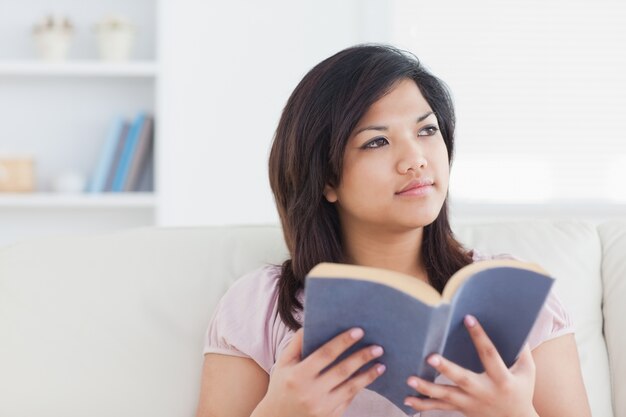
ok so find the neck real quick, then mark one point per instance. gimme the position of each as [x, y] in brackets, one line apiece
[396, 251]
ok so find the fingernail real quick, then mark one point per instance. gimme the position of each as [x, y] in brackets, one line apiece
[356, 333]
[407, 402]
[377, 351]
[412, 382]
[470, 321]
[434, 360]
[380, 368]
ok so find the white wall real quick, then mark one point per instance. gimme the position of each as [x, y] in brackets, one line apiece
[538, 91]
[227, 71]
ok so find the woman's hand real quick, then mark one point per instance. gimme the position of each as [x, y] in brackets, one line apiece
[497, 392]
[298, 388]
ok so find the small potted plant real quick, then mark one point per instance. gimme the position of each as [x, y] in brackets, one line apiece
[53, 36]
[116, 36]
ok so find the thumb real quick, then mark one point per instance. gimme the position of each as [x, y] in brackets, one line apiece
[293, 351]
[525, 363]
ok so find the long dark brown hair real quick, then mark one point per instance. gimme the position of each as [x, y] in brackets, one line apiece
[308, 151]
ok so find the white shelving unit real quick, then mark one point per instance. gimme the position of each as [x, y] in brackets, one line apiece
[78, 68]
[59, 114]
[75, 201]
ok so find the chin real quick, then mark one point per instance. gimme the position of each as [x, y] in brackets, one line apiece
[425, 216]
[418, 222]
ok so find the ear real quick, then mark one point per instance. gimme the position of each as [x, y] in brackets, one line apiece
[330, 194]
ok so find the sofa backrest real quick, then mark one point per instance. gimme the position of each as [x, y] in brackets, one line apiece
[572, 253]
[114, 324]
[613, 237]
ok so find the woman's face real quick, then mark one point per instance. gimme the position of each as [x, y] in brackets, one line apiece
[395, 168]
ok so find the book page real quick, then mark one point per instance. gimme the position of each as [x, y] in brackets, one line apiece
[408, 284]
[468, 271]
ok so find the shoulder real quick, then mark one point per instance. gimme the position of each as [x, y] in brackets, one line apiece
[246, 321]
[251, 294]
[478, 255]
[259, 284]
[554, 320]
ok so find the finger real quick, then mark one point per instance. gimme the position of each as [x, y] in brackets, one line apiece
[425, 404]
[463, 378]
[350, 388]
[342, 371]
[487, 352]
[330, 351]
[292, 352]
[525, 363]
[449, 394]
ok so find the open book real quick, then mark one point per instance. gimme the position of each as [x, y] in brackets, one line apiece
[411, 320]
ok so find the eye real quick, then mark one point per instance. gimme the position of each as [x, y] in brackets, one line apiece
[428, 131]
[376, 143]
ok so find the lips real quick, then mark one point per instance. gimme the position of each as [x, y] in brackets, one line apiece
[416, 185]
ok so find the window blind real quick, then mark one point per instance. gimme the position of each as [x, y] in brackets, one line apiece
[539, 89]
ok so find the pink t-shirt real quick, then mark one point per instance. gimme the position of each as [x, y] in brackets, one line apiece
[246, 323]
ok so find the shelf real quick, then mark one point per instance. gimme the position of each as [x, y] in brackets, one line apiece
[79, 68]
[74, 201]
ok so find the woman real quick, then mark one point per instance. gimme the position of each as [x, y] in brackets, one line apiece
[359, 169]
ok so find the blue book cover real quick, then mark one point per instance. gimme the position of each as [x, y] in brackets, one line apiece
[143, 150]
[411, 320]
[123, 169]
[97, 182]
[118, 155]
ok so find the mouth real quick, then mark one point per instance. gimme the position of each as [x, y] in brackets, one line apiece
[417, 187]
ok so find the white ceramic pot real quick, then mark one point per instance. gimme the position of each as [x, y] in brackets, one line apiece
[53, 45]
[116, 44]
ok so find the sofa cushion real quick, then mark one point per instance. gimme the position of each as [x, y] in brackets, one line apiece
[113, 325]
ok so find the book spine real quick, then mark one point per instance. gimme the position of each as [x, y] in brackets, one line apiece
[435, 340]
[139, 159]
[121, 175]
[146, 179]
[115, 162]
[98, 180]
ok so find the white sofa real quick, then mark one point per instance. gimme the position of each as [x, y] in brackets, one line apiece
[113, 324]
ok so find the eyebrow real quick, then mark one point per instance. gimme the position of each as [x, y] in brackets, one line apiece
[385, 128]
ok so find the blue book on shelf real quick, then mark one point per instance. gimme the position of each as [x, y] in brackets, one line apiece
[115, 162]
[123, 169]
[140, 157]
[99, 177]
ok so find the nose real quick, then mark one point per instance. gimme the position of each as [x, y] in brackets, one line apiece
[411, 156]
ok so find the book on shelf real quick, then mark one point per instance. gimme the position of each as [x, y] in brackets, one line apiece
[146, 178]
[411, 320]
[98, 180]
[123, 169]
[125, 157]
[141, 154]
[112, 169]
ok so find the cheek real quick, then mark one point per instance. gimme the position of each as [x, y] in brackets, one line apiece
[357, 180]
[364, 183]
[441, 166]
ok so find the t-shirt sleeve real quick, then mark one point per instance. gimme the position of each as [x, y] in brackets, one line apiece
[246, 322]
[553, 320]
